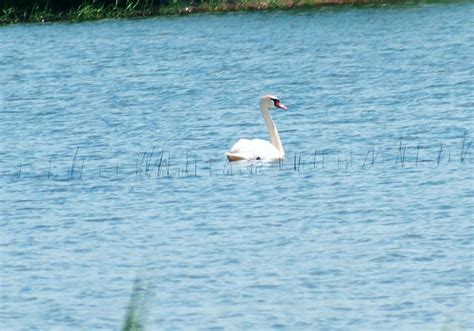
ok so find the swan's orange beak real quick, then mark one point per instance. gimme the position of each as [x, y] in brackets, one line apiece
[280, 105]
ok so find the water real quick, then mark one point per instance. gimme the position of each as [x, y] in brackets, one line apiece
[367, 225]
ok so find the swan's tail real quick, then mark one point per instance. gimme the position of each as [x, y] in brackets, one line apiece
[235, 156]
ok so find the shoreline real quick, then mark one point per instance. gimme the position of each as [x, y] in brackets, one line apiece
[91, 12]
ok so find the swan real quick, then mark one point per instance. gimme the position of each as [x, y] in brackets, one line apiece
[258, 149]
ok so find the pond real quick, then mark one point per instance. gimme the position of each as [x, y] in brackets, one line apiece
[112, 168]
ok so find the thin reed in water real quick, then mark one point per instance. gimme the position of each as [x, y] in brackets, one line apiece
[49, 168]
[399, 154]
[195, 166]
[462, 146]
[417, 154]
[465, 150]
[439, 153]
[71, 175]
[160, 162]
[374, 155]
[404, 154]
[19, 170]
[366, 157]
[314, 158]
[186, 168]
[138, 169]
[148, 161]
[82, 167]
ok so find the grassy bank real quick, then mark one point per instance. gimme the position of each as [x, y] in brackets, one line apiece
[23, 11]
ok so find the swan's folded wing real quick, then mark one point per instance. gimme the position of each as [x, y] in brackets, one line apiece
[242, 145]
[242, 150]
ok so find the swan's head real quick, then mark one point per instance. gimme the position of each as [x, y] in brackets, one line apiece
[270, 101]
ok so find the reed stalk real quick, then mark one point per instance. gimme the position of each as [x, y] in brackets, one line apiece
[82, 167]
[19, 170]
[417, 153]
[465, 149]
[403, 155]
[195, 166]
[71, 174]
[366, 157]
[49, 168]
[314, 158]
[138, 166]
[399, 154]
[160, 162]
[439, 154]
[149, 158]
[376, 154]
[187, 161]
[168, 165]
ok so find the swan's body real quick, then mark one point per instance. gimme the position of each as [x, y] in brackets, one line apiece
[258, 149]
[255, 149]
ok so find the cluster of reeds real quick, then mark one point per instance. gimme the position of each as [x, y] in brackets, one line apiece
[162, 164]
[153, 164]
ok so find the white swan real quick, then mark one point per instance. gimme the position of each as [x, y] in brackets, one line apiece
[258, 149]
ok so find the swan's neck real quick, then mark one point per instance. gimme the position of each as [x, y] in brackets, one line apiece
[272, 130]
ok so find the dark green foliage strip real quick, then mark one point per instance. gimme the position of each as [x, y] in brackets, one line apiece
[15, 11]
[18, 11]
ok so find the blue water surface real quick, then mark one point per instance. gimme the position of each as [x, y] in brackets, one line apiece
[112, 168]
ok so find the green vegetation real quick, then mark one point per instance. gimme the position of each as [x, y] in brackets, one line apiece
[18, 11]
[135, 318]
